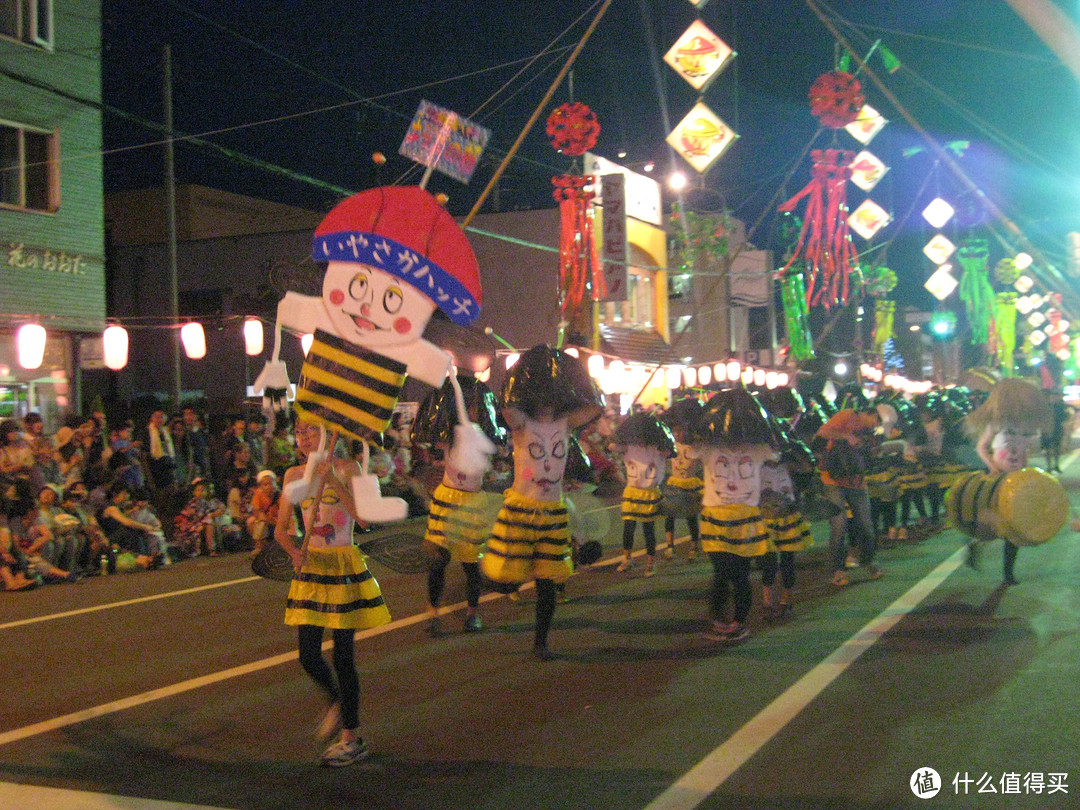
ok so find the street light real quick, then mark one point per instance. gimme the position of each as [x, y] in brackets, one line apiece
[677, 181]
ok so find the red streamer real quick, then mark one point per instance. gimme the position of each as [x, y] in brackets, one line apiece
[824, 242]
[578, 259]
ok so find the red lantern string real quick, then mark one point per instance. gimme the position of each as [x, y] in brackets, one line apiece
[824, 242]
[573, 129]
[836, 99]
[578, 259]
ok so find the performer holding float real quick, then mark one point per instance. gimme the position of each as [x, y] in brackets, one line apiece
[547, 394]
[458, 519]
[648, 444]
[1020, 504]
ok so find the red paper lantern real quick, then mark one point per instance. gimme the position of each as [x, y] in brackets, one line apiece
[836, 99]
[573, 128]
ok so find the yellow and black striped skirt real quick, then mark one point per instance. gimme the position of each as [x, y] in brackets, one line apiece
[530, 540]
[737, 529]
[335, 589]
[458, 523]
[640, 504]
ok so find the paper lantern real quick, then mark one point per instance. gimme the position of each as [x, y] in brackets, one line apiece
[690, 376]
[701, 137]
[772, 379]
[306, 341]
[1022, 261]
[674, 377]
[572, 351]
[868, 219]
[939, 249]
[1036, 337]
[938, 212]
[941, 284]
[595, 365]
[704, 375]
[194, 339]
[782, 378]
[720, 372]
[699, 56]
[733, 370]
[747, 375]
[759, 377]
[1024, 305]
[114, 341]
[1024, 284]
[1036, 319]
[483, 376]
[31, 345]
[253, 336]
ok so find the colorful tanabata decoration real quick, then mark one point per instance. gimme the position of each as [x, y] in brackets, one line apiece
[939, 249]
[579, 262]
[1005, 330]
[699, 56]
[836, 98]
[941, 282]
[975, 289]
[824, 244]
[573, 129]
[1006, 273]
[443, 140]
[868, 123]
[867, 170]
[392, 255]
[878, 281]
[796, 316]
[868, 219]
[884, 314]
[701, 138]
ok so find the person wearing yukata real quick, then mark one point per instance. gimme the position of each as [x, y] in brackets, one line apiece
[733, 439]
[392, 256]
[458, 522]
[683, 489]
[547, 394]
[1005, 428]
[648, 445]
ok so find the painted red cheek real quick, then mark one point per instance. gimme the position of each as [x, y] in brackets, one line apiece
[402, 326]
[337, 297]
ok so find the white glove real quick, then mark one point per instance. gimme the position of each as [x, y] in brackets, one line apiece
[273, 383]
[471, 451]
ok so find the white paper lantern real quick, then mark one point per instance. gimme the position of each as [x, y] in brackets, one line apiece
[483, 376]
[253, 336]
[704, 375]
[759, 377]
[938, 212]
[747, 375]
[690, 376]
[114, 341]
[194, 339]
[674, 377]
[595, 365]
[720, 372]
[31, 345]
[771, 380]
[733, 370]
[513, 357]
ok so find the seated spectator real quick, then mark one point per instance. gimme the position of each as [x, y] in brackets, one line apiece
[125, 532]
[264, 509]
[74, 503]
[395, 485]
[13, 564]
[16, 457]
[143, 512]
[45, 469]
[70, 543]
[70, 455]
[241, 491]
[35, 541]
[126, 463]
[198, 526]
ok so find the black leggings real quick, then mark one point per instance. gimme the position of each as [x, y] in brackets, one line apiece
[436, 581]
[691, 526]
[347, 689]
[648, 527]
[545, 610]
[786, 565]
[914, 496]
[883, 515]
[1009, 559]
[733, 569]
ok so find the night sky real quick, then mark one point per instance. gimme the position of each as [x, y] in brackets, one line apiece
[315, 87]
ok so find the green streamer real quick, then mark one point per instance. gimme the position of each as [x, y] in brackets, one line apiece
[1005, 325]
[796, 317]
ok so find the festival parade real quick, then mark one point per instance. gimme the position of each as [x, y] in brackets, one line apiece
[661, 404]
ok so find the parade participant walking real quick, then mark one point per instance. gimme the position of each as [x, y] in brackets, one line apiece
[332, 589]
[547, 394]
[683, 489]
[648, 445]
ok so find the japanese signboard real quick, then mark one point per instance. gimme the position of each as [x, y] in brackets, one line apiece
[443, 140]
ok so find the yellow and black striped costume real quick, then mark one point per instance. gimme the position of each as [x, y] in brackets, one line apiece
[790, 532]
[457, 522]
[737, 529]
[640, 504]
[882, 481]
[911, 477]
[335, 589]
[530, 540]
[347, 388]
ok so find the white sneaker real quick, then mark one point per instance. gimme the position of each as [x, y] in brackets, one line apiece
[344, 753]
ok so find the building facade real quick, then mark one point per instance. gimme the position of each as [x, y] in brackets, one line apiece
[52, 245]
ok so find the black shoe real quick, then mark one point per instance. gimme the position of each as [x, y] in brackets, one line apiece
[1011, 580]
[542, 653]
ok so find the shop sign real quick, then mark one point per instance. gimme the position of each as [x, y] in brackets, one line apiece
[21, 257]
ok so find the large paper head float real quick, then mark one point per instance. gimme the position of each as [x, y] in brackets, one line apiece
[733, 418]
[648, 443]
[394, 254]
[437, 415]
[1013, 403]
[549, 383]
[683, 415]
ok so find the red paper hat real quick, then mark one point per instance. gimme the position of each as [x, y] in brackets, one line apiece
[404, 231]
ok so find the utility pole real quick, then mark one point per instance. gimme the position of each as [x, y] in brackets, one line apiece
[170, 224]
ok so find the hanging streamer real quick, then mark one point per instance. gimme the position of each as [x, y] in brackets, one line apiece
[1005, 330]
[796, 317]
[824, 242]
[975, 289]
[884, 313]
[578, 259]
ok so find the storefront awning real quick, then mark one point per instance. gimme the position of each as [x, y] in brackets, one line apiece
[634, 345]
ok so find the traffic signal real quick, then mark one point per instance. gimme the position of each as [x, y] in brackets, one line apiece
[943, 325]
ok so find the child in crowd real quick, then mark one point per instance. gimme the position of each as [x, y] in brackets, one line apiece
[648, 444]
[264, 509]
[142, 511]
[197, 525]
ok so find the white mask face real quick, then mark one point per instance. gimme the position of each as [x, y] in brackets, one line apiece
[682, 465]
[644, 466]
[776, 477]
[372, 308]
[733, 474]
[540, 458]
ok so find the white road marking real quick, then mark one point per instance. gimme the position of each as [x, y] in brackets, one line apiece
[707, 776]
[15, 795]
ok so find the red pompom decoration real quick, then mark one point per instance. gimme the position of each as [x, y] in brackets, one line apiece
[573, 129]
[836, 99]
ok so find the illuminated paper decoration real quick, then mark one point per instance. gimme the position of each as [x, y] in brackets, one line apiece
[114, 342]
[1064, 354]
[30, 340]
[699, 56]
[701, 138]
[194, 339]
[253, 336]
[939, 249]
[868, 219]
[941, 284]
[1024, 284]
[869, 123]
[1024, 305]
[938, 212]
[1036, 337]
[867, 169]
[443, 140]
[1036, 319]
[699, 3]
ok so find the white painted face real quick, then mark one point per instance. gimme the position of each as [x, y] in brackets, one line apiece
[540, 458]
[644, 466]
[1010, 447]
[682, 466]
[776, 477]
[372, 308]
[733, 474]
[458, 479]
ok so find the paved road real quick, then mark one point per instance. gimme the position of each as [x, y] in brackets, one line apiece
[181, 687]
